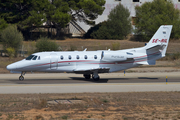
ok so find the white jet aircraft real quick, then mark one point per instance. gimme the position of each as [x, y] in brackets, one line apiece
[91, 63]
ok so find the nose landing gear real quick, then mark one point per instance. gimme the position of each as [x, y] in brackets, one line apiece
[21, 78]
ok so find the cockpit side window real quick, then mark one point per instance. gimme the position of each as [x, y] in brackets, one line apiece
[39, 58]
[30, 57]
[34, 58]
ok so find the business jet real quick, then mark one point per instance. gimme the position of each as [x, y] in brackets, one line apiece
[92, 63]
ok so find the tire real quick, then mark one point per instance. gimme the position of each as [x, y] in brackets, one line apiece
[87, 76]
[96, 79]
[21, 78]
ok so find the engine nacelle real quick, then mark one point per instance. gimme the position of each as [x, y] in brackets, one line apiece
[111, 56]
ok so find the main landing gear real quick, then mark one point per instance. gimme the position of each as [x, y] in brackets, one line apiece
[95, 76]
[21, 78]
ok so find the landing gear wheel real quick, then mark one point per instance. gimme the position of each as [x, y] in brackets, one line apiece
[96, 79]
[21, 78]
[87, 76]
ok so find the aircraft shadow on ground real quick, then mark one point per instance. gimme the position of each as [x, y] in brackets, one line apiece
[100, 80]
[149, 78]
[89, 80]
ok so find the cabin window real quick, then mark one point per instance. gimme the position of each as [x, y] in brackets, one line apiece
[39, 58]
[62, 57]
[70, 57]
[34, 58]
[77, 56]
[30, 57]
[85, 57]
[95, 56]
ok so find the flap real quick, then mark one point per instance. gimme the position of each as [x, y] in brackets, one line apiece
[91, 70]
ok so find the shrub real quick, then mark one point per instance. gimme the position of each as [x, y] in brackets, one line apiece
[10, 51]
[44, 44]
[11, 38]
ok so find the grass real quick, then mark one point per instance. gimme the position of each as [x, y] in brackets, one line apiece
[39, 117]
[65, 117]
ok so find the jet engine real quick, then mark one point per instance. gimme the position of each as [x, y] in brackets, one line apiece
[111, 56]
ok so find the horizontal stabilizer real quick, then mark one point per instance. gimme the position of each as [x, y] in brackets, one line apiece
[156, 48]
[149, 62]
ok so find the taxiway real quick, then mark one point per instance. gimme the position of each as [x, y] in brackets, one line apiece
[75, 83]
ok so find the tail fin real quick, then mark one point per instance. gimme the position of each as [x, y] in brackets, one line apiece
[157, 46]
[160, 40]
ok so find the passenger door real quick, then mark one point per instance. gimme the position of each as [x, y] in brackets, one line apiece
[53, 61]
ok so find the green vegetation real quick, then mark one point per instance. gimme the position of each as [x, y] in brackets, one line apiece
[3, 24]
[64, 117]
[10, 51]
[150, 15]
[118, 25]
[11, 39]
[44, 44]
[31, 14]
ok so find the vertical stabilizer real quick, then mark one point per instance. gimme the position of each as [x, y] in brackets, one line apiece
[160, 40]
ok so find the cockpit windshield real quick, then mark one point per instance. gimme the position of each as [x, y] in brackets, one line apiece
[33, 57]
[30, 57]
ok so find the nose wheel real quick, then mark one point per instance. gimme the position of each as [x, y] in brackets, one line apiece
[21, 78]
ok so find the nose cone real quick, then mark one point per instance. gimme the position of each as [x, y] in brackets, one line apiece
[11, 67]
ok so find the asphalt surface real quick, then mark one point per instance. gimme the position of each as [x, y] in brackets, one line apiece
[76, 83]
[67, 78]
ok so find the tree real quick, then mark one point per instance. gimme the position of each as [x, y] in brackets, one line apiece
[118, 25]
[44, 44]
[86, 10]
[57, 13]
[26, 14]
[11, 38]
[153, 14]
[3, 24]
[30, 14]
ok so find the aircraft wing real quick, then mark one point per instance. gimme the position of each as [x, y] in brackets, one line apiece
[92, 70]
